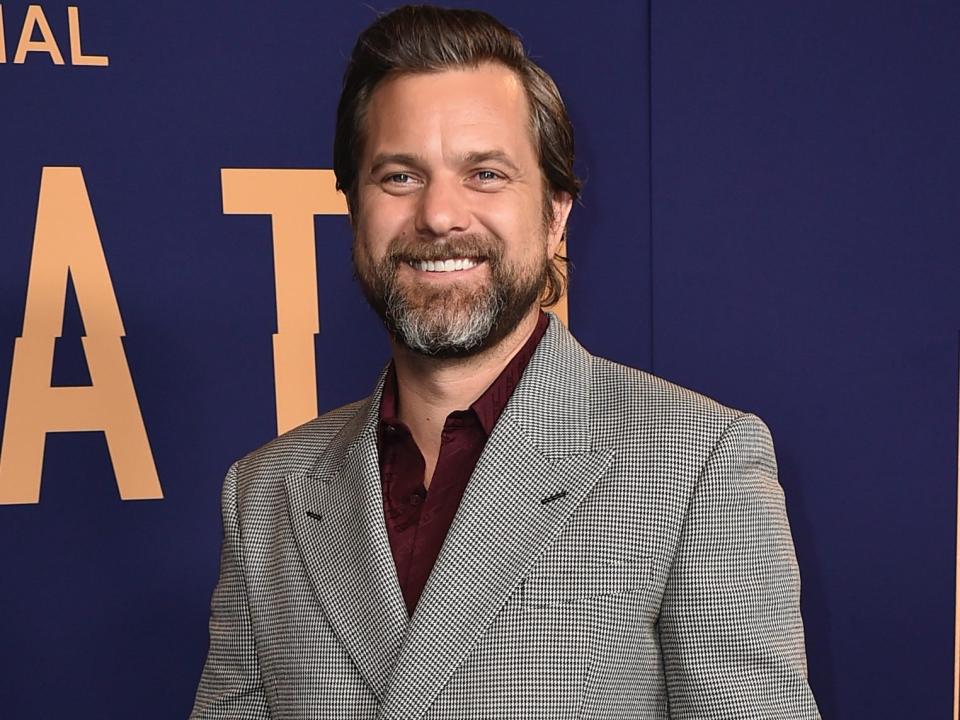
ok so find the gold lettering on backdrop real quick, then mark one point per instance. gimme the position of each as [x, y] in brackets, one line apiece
[36, 19]
[3, 44]
[76, 53]
[291, 198]
[66, 242]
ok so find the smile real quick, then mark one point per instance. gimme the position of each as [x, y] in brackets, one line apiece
[438, 266]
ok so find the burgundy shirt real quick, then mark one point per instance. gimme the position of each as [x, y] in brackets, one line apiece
[418, 520]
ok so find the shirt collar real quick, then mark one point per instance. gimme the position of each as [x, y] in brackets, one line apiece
[489, 406]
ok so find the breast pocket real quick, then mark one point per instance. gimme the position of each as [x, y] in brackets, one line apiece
[564, 585]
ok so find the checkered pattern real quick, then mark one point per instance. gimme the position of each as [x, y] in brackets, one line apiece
[621, 551]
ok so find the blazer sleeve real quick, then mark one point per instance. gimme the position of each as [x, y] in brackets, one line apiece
[730, 628]
[231, 686]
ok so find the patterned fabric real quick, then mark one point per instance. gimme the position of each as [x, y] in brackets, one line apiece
[418, 521]
[621, 551]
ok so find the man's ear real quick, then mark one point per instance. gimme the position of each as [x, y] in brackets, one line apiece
[349, 205]
[352, 216]
[562, 203]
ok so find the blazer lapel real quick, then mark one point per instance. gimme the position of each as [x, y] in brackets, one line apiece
[537, 467]
[337, 516]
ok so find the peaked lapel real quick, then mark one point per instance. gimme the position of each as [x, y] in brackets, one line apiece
[539, 449]
[338, 520]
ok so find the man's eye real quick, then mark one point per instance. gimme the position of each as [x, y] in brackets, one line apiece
[399, 179]
[486, 175]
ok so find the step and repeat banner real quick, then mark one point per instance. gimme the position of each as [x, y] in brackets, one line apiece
[769, 216]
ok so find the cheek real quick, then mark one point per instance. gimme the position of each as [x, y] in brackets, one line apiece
[517, 223]
[522, 236]
[380, 221]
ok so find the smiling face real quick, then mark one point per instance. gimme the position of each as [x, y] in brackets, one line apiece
[451, 240]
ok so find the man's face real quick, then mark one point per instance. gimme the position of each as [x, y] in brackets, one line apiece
[450, 240]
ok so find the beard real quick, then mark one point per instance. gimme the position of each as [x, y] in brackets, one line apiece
[457, 319]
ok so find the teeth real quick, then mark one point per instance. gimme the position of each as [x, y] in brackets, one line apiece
[444, 265]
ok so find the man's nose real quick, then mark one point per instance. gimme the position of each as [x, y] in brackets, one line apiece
[442, 208]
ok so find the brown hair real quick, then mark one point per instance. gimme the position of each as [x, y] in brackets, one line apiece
[422, 39]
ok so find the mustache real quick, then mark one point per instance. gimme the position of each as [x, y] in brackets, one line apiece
[477, 247]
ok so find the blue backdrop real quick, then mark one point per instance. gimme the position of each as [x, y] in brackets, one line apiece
[770, 217]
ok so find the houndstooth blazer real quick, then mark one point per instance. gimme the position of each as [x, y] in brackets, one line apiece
[621, 551]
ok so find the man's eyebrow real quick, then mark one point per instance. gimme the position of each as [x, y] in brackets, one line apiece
[394, 159]
[471, 158]
[476, 158]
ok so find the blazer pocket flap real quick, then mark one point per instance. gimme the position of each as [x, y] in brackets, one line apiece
[576, 583]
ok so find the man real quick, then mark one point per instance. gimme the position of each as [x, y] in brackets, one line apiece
[508, 526]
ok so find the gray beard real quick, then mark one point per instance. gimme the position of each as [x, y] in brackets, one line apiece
[443, 331]
[451, 322]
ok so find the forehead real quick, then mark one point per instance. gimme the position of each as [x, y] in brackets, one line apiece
[452, 110]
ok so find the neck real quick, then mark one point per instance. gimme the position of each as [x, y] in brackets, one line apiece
[429, 389]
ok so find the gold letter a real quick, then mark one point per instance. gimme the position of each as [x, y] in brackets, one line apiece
[66, 241]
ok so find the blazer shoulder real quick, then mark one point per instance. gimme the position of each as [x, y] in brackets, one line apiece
[632, 399]
[297, 450]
